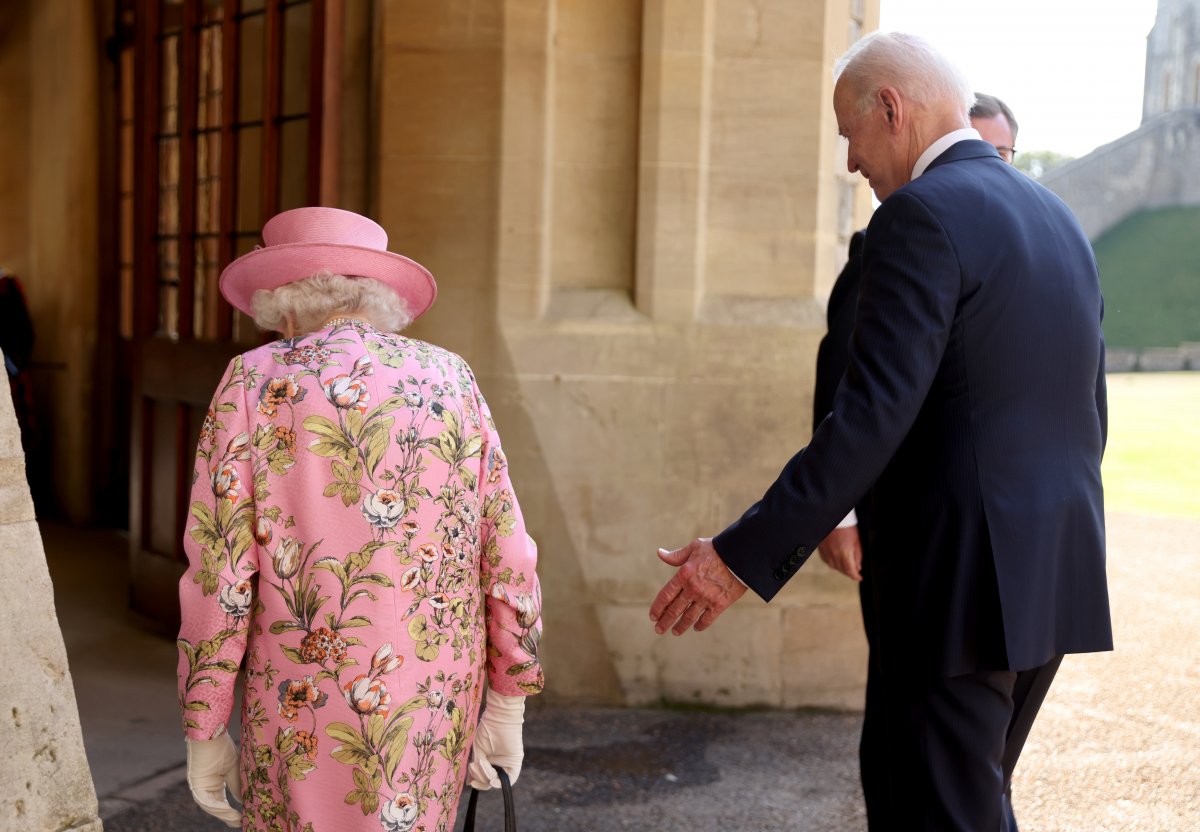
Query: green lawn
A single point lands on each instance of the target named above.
(1152, 463)
(1150, 275)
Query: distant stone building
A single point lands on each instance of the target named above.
(1173, 59)
(1157, 165)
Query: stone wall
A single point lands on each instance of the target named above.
(49, 237)
(1156, 166)
(631, 212)
(45, 783)
(1172, 59)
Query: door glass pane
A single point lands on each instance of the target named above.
(168, 186)
(126, 317)
(172, 15)
(249, 184)
(212, 10)
(251, 46)
(208, 183)
(293, 164)
(169, 81)
(208, 105)
(168, 293)
(125, 241)
(297, 32)
(204, 306)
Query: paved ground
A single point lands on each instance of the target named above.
(1117, 747)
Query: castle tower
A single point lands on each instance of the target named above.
(1173, 59)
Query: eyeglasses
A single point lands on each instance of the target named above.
(1006, 153)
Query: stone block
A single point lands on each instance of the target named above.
(1162, 360)
(770, 29)
(441, 103)
(1191, 354)
(824, 654)
(735, 663)
(1120, 360)
(675, 26)
(610, 29)
(596, 113)
(440, 211)
(45, 783)
(417, 24)
(593, 226)
(15, 503)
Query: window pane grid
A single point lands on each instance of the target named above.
(221, 161)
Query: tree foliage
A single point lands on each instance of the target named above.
(1038, 162)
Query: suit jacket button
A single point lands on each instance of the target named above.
(801, 552)
(780, 574)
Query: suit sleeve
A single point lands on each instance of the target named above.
(1102, 389)
(911, 285)
(834, 352)
(218, 591)
(508, 575)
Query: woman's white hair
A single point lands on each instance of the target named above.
(911, 64)
(307, 304)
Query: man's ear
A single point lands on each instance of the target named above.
(893, 108)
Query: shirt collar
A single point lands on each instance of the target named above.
(941, 146)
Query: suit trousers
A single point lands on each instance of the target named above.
(938, 755)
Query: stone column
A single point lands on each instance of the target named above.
(45, 783)
(629, 206)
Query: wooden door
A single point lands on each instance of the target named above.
(228, 116)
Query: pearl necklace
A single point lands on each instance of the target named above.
(343, 320)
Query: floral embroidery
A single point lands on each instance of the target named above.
(297, 694)
(346, 392)
(306, 355)
(412, 523)
(321, 645)
(280, 391)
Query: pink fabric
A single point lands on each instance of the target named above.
(354, 539)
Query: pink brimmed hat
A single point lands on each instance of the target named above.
(303, 241)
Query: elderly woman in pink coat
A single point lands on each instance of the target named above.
(356, 549)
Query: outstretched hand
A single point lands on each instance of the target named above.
(701, 590)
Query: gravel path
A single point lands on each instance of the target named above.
(1116, 748)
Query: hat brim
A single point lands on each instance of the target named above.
(273, 266)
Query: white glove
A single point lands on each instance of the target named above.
(497, 741)
(211, 766)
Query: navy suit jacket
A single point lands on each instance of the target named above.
(974, 401)
(833, 354)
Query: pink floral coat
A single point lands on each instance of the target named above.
(353, 539)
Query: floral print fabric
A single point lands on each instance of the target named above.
(354, 540)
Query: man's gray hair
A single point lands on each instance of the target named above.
(911, 64)
(310, 302)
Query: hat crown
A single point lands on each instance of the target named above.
(328, 226)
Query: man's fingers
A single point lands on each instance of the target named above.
(672, 613)
(846, 565)
(707, 618)
(665, 596)
(689, 617)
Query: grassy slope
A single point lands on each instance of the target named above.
(1152, 462)
(1150, 274)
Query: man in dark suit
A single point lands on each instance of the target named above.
(842, 549)
(847, 546)
(974, 401)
